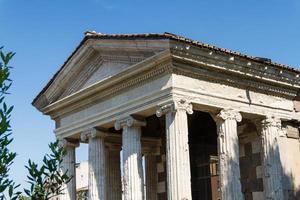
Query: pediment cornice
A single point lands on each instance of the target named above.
(136, 74)
(222, 62)
(146, 60)
(86, 61)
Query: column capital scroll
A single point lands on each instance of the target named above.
(64, 142)
(271, 121)
(129, 122)
(92, 133)
(229, 113)
(181, 104)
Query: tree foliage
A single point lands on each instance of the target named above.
(7, 185)
(45, 181)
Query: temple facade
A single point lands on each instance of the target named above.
(190, 121)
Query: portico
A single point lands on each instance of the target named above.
(207, 121)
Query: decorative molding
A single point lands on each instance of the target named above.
(129, 121)
(240, 66)
(180, 104)
(55, 89)
(107, 115)
(89, 68)
(228, 78)
(123, 59)
(136, 81)
(121, 82)
(83, 76)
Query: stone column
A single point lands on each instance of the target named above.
(68, 165)
(228, 150)
(97, 165)
(151, 176)
(132, 157)
(113, 173)
(178, 158)
(272, 172)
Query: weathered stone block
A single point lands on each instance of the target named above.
(259, 172)
(256, 146)
(258, 195)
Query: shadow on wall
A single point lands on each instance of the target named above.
(290, 192)
(252, 169)
(290, 163)
(288, 158)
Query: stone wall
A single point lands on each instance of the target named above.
(162, 172)
(289, 148)
(251, 167)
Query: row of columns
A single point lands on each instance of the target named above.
(104, 163)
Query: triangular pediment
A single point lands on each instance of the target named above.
(93, 63)
(101, 60)
(101, 66)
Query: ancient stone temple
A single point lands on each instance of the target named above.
(189, 120)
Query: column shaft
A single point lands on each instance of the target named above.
(97, 180)
(151, 177)
(68, 165)
(272, 173)
(132, 158)
(228, 149)
(177, 147)
(113, 174)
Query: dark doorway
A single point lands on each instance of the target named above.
(203, 156)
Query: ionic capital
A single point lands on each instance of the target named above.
(229, 113)
(129, 122)
(92, 133)
(66, 143)
(271, 121)
(181, 104)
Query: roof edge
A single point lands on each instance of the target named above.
(166, 35)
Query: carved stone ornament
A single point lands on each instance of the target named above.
(229, 113)
(84, 136)
(129, 122)
(181, 104)
(271, 121)
(92, 133)
(63, 142)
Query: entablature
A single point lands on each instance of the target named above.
(227, 69)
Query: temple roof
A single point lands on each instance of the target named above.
(166, 35)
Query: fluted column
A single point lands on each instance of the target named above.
(132, 157)
(113, 173)
(178, 159)
(97, 165)
(228, 150)
(68, 165)
(272, 172)
(151, 176)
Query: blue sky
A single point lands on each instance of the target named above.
(43, 33)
